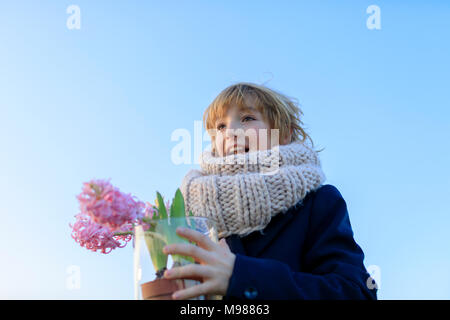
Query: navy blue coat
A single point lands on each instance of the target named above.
(307, 252)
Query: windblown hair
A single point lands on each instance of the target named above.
(278, 110)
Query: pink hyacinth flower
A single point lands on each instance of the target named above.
(108, 206)
(95, 237)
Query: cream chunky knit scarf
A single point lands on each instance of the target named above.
(242, 192)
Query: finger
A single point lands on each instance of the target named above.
(223, 243)
(201, 239)
(190, 271)
(194, 291)
(187, 249)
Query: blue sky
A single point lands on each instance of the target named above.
(103, 101)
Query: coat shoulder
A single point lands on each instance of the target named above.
(326, 196)
(323, 203)
(328, 191)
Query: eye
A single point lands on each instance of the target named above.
(220, 126)
(248, 117)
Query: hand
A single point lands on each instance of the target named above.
(215, 268)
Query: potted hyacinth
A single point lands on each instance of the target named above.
(109, 219)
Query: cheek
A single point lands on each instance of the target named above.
(256, 125)
(261, 130)
(262, 136)
(219, 144)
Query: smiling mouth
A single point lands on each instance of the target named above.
(236, 150)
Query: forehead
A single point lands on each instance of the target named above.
(238, 107)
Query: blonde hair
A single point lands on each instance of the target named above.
(278, 110)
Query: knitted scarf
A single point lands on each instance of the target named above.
(242, 192)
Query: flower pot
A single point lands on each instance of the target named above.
(162, 289)
(150, 263)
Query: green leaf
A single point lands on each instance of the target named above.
(177, 219)
(167, 228)
(177, 209)
(161, 206)
(155, 246)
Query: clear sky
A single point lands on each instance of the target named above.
(102, 102)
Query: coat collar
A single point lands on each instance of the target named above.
(255, 243)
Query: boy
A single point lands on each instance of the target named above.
(284, 235)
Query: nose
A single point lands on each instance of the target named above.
(235, 131)
(235, 124)
(236, 137)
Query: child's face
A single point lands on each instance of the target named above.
(230, 140)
